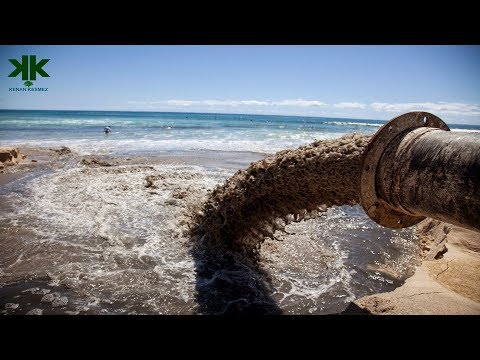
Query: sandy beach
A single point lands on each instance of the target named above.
(446, 282)
(36, 286)
(245, 180)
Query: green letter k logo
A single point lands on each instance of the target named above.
(34, 67)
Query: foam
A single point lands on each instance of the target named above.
(465, 130)
(118, 237)
(105, 232)
(151, 145)
(291, 185)
(349, 123)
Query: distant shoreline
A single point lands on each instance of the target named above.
(192, 112)
(463, 126)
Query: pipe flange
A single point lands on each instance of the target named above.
(377, 209)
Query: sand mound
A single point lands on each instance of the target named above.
(10, 156)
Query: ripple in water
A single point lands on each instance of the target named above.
(304, 274)
(122, 239)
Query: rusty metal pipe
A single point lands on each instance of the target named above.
(414, 167)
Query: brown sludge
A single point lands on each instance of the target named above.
(289, 186)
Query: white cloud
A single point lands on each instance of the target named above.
(298, 102)
(233, 103)
(174, 102)
(452, 108)
(350, 105)
(448, 111)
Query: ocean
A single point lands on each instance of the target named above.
(81, 238)
(149, 132)
(152, 132)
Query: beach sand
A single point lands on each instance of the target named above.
(37, 274)
(447, 281)
(9, 156)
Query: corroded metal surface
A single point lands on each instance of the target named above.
(435, 174)
(415, 168)
(378, 209)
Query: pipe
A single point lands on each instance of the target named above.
(414, 167)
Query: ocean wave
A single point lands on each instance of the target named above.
(465, 130)
(111, 146)
(351, 123)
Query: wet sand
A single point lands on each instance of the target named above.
(446, 283)
(37, 291)
(19, 296)
(6, 178)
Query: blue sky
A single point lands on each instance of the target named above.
(366, 82)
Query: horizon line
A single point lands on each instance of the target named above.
(194, 112)
(220, 113)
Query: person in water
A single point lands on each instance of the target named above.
(107, 130)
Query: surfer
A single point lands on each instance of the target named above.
(107, 130)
